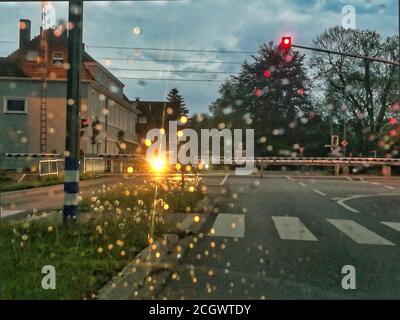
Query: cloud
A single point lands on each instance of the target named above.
(207, 24)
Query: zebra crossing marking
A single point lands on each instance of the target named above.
(291, 228)
(228, 225)
(358, 233)
(393, 225)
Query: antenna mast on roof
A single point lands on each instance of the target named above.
(43, 93)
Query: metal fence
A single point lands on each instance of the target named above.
(50, 167)
(53, 164)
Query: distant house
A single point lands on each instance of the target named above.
(21, 97)
(152, 115)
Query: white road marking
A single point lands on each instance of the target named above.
(320, 192)
(390, 187)
(393, 225)
(376, 183)
(341, 202)
(291, 228)
(302, 184)
(228, 225)
(224, 179)
(289, 178)
(358, 233)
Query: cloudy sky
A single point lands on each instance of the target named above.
(201, 25)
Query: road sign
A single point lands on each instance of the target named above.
(344, 143)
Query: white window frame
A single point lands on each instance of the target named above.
(60, 60)
(5, 108)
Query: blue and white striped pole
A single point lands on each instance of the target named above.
(73, 125)
(71, 188)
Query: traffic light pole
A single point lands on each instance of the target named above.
(72, 145)
(348, 55)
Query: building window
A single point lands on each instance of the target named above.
(58, 57)
(143, 120)
(15, 105)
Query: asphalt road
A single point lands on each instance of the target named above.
(289, 238)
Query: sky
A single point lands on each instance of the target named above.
(211, 25)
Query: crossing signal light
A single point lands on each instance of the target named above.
(335, 141)
(286, 43)
(84, 123)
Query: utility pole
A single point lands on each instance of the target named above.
(72, 144)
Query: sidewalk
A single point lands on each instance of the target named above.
(43, 198)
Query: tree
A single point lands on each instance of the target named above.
(358, 91)
(271, 96)
(389, 138)
(176, 105)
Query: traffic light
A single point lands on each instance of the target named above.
(84, 123)
(286, 43)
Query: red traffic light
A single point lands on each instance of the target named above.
(286, 43)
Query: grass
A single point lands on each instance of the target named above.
(118, 224)
(41, 182)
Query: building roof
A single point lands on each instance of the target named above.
(22, 63)
(9, 68)
(25, 63)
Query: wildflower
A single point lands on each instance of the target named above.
(119, 243)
